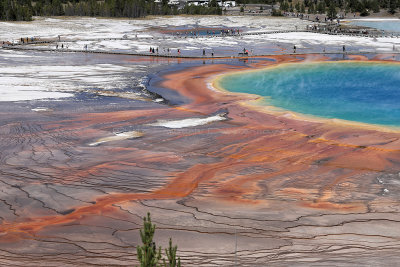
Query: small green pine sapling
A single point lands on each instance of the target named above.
(147, 254)
(171, 255)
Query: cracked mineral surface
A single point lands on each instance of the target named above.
(90, 143)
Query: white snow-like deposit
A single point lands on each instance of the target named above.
(11, 92)
(22, 80)
(148, 32)
(316, 39)
(14, 88)
(117, 137)
(191, 122)
(81, 28)
(41, 109)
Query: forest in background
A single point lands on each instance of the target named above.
(17, 10)
(23, 10)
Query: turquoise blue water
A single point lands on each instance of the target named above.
(362, 92)
(386, 25)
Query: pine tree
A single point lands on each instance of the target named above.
(147, 254)
(297, 7)
(171, 255)
(302, 8)
(392, 6)
(375, 6)
(321, 7)
(332, 10)
(285, 6)
(311, 9)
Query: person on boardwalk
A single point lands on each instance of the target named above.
(179, 52)
(294, 49)
(344, 49)
(204, 52)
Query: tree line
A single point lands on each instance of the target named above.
(23, 10)
(364, 7)
(17, 10)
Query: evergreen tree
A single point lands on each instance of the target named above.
(171, 255)
(311, 9)
(332, 10)
(147, 254)
(21, 10)
(285, 6)
(297, 6)
(302, 8)
(392, 6)
(374, 5)
(321, 8)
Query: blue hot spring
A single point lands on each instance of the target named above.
(386, 25)
(366, 92)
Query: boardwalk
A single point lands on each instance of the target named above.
(44, 49)
(30, 46)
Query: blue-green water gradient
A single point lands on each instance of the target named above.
(386, 25)
(361, 92)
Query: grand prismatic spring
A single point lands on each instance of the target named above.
(272, 159)
(364, 92)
